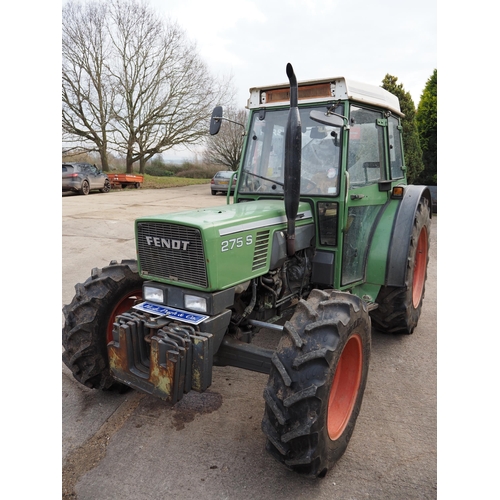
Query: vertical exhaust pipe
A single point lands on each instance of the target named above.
(293, 152)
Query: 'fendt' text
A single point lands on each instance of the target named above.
(167, 243)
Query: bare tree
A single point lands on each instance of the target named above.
(166, 91)
(225, 147)
(153, 92)
(87, 92)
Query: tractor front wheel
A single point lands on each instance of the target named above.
(89, 318)
(399, 308)
(316, 383)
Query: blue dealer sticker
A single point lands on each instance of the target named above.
(178, 314)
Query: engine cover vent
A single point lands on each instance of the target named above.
(261, 249)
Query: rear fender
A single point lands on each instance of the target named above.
(401, 233)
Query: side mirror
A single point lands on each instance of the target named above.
(333, 120)
(216, 120)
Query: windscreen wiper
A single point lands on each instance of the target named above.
(265, 178)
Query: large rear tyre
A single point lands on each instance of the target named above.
(316, 383)
(399, 308)
(88, 325)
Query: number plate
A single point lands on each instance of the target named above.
(178, 314)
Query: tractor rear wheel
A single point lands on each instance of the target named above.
(88, 326)
(399, 308)
(316, 383)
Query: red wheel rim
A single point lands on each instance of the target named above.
(122, 306)
(420, 267)
(345, 387)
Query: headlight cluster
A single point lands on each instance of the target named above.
(191, 302)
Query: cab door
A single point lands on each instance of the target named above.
(366, 188)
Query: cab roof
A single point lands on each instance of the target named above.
(329, 89)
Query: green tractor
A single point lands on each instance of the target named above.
(324, 237)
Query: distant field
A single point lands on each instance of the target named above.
(151, 182)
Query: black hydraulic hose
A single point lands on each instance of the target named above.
(253, 301)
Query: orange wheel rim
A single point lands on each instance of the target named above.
(420, 267)
(345, 387)
(123, 305)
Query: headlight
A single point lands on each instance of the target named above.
(153, 294)
(194, 303)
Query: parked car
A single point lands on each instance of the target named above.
(434, 199)
(83, 177)
(220, 182)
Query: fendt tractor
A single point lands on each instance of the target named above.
(322, 237)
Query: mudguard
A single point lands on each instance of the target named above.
(401, 232)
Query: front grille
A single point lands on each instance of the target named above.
(171, 252)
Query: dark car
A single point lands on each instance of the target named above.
(220, 182)
(83, 177)
(434, 199)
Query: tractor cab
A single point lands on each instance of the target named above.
(351, 168)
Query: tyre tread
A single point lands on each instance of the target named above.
(298, 386)
(85, 351)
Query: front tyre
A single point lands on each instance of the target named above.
(316, 383)
(399, 308)
(88, 326)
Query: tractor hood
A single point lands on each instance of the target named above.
(212, 248)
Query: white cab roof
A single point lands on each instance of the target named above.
(329, 89)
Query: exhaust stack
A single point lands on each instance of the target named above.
(293, 152)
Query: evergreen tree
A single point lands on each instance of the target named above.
(411, 141)
(427, 130)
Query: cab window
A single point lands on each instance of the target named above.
(395, 150)
(365, 162)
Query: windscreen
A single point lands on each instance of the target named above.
(263, 165)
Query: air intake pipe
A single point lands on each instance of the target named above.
(293, 152)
